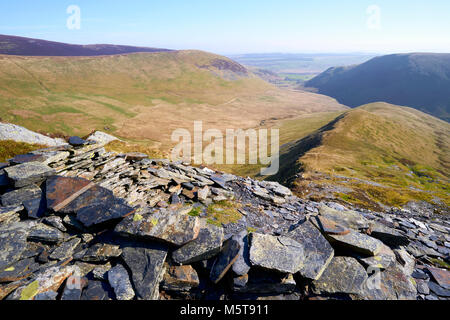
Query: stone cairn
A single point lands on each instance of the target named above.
(80, 223)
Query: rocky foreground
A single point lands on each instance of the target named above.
(77, 222)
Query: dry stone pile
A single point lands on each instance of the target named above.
(80, 223)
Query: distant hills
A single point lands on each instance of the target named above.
(374, 155)
(143, 97)
(418, 80)
(12, 45)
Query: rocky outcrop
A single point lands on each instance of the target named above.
(14, 132)
(79, 223)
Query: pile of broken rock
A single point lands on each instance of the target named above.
(77, 222)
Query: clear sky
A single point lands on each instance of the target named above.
(244, 26)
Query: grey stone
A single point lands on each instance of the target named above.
(388, 235)
(120, 281)
(242, 265)
(204, 247)
(29, 173)
(343, 275)
(276, 253)
(65, 250)
(357, 242)
(224, 260)
(169, 225)
(42, 232)
(180, 278)
(348, 219)
(101, 252)
(19, 196)
(146, 262)
(317, 250)
(12, 245)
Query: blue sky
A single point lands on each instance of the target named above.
(245, 26)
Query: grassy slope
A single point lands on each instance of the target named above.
(142, 97)
(396, 147)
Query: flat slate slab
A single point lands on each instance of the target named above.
(224, 260)
(12, 245)
(441, 276)
(146, 262)
(92, 204)
(388, 235)
(204, 247)
(19, 196)
(242, 265)
(120, 281)
(170, 225)
(329, 226)
(28, 173)
(180, 278)
(44, 233)
(357, 242)
(276, 253)
(347, 218)
(317, 250)
(60, 191)
(343, 275)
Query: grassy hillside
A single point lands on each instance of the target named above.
(143, 97)
(377, 154)
(418, 80)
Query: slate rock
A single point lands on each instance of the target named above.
(44, 233)
(10, 214)
(348, 219)
(276, 253)
(224, 260)
(56, 222)
(97, 290)
(242, 265)
(383, 260)
(389, 236)
(180, 278)
(219, 180)
(318, 252)
(17, 271)
(264, 282)
(357, 242)
(46, 296)
(422, 287)
(36, 208)
(343, 275)
(101, 272)
(92, 207)
(391, 284)
(328, 226)
(19, 196)
(65, 250)
(146, 262)
(170, 225)
(28, 173)
(76, 141)
(49, 279)
(101, 252)
(442, 276)
(204, 247)
(12, 245)
(60, 191)
(120, 281)
(438, 290)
